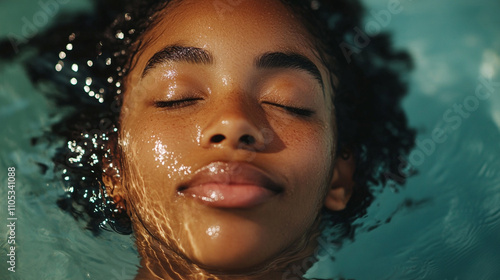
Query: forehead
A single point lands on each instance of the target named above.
(254, 26)
(248, 17)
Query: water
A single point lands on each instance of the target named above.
(444, 224)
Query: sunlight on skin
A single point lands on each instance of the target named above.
(164, 148)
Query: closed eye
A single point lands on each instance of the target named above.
(175, 104)
(294, 110)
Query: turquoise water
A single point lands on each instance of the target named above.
(444, 224)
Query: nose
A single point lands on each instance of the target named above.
(233, 128)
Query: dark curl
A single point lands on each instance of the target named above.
(84, 59)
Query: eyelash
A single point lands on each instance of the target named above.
(294, 110)
(174, 104)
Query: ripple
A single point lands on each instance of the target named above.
(461, 231)
(491, 207)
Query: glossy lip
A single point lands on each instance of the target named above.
(230, 185)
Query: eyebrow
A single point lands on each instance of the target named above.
(178, 54)
(291, 61)
(270, 60)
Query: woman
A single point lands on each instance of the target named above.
(224, 135)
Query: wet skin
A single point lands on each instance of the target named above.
(227, 137)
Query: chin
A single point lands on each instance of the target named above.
(235, 247)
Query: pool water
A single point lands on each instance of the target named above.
(444, 224)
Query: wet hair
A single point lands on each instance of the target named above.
(82, 60)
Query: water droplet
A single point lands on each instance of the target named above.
(213, 231)
(119, 35)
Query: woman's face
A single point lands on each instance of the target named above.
(227, 133)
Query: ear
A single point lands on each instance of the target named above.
(112, 183)
(111, 177)
(342, 184)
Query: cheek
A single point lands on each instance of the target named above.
(151, 170)
(309, 169)
(313, 175)
(154, 163)
(308, 148)
(158, 150)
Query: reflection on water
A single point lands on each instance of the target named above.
(445, 224)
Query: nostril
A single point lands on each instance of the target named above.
(217, 138)
(247, 139)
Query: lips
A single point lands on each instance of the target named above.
(230, 185)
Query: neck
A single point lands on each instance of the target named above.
(160, 262)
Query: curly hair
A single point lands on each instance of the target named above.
(85, 58)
